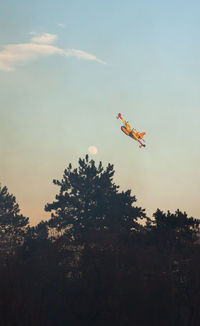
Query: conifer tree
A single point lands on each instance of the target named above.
(12, 224)
(89, 200)
(174, 230)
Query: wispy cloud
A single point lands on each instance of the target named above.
(45, 38)
(83, 55)
(13, 55)
(62, 25)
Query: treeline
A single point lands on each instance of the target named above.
(99, 260)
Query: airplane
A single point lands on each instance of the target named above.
(133, 133)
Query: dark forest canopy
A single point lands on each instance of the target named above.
(93, 262)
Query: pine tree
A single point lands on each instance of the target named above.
(12, 224)
(89, 200)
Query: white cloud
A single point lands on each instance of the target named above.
(83, 55)
(45, 38)
(16, 54)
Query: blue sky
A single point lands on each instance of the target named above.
(67, 68)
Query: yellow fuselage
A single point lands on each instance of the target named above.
(130, 133)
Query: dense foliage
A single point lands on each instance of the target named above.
(12, 224)
(94, 263)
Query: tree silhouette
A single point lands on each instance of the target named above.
(174, 230)
(114, 272)
(12, 223)
(89, 200)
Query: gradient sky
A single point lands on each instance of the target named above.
(67, 68)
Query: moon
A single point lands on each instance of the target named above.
(93, 150)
